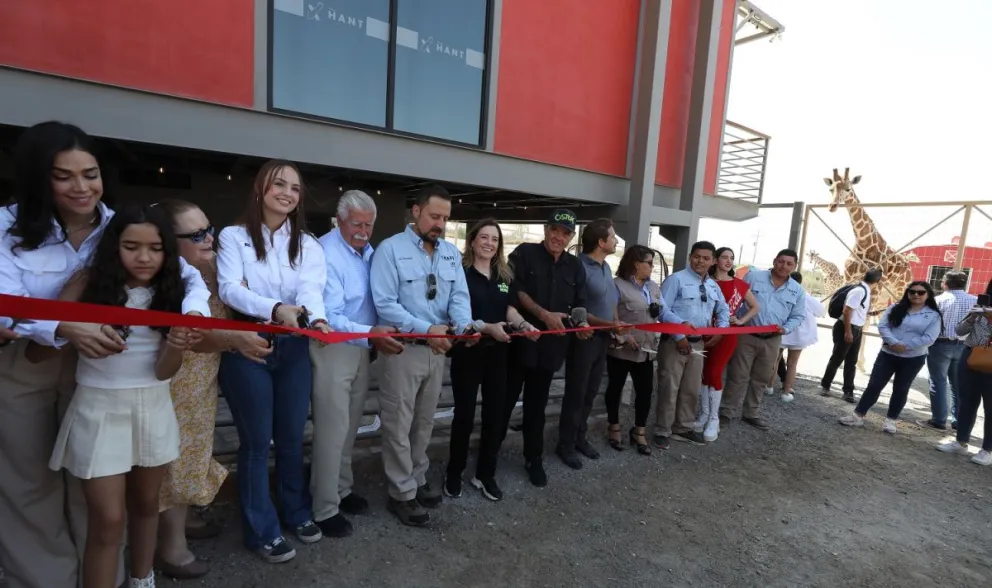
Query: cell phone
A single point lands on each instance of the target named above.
(984, 300)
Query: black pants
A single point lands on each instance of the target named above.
(846, 353)
(584, 369)
(976, 389)
(535, 384)
(470, 368)
(641, 375)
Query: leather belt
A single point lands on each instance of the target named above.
(766, 335)
(948, 340)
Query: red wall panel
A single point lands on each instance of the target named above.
(720, 89)
(566, 78)
(979, 259)
(678, 87)
(194, 48)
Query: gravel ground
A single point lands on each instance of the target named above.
(806, 504)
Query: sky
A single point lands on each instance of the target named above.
(897, 90)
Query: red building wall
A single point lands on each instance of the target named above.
(192, 48)
(979, 259)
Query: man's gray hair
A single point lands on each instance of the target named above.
(355, 200)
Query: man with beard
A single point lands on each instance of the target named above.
(341, 372)
(418, 286)
(550, 283)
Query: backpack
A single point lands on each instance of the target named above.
(837, 299)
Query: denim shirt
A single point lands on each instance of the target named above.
(347, 293)
(682, 292)
(917, 332)
(784, 306)
(401, 270)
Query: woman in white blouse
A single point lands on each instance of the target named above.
(49, 234)
(269, 268)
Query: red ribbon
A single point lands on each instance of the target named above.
(80, 312)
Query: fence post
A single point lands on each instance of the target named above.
(963, 239)
(798, 209)
(802, 240)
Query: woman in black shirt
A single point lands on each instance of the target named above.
(483, 363)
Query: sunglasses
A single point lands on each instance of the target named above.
(650, 262)
(702, 294)
(917, 292)
(198, 236)
(431, 286)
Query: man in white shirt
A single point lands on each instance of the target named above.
(847, 334)
(943, 356)
(341, 372)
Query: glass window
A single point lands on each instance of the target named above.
(440, 64)
(331, 60)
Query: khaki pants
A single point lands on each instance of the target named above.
(748, 374)
(42, 513)
(679, 379)
(340, 385)
(408, 397)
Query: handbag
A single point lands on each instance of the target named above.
(980, 359)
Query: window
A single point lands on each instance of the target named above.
(936, 275)
(411, 66)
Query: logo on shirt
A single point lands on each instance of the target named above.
(450, 258)
(503, 287)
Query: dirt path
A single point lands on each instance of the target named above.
(807, 504)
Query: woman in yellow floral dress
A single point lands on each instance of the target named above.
(195, 478)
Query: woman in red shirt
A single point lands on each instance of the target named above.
(736, 291)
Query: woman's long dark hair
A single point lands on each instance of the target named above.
(34, 156)
(107, 276)
(628, 263)
(253, 216)
(898, 312)
(716, 257)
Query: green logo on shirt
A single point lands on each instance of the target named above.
(503, 287)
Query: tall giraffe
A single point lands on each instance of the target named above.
(832, 278)
(870, 249)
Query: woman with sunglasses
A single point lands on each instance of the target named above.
(640, 303)
(47, 236)
(195, 478)
(269, 268)
(907, 329)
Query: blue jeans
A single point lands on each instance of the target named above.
(902, 370)
(942, 363)
(269, 403)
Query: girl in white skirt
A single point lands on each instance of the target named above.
(120, 430)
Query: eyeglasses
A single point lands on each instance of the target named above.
(702, 294)
(431, 286)
(916, 292)
(198, 236)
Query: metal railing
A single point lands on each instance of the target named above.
(742, 163)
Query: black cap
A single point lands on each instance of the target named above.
(563, 217)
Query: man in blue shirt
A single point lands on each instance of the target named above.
(418, 286)
(693, 299)
(783, 305)
(341, 372)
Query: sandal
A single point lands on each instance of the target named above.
(637, 439)
(616, 442)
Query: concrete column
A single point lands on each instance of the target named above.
(645, 126)
(796, 228)
(700, 114)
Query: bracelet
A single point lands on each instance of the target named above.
(274, 309)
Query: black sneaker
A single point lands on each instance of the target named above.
(452, 486)
(354, 504)
(489, 488)
(824, 390)
(849, 398)
(278, 551)
(690, 437)
(585, 448)
(569, 457)
(429, 497)
(336, 526)
(409, 512)
(661, 441)
(309, 532)
(536, 473)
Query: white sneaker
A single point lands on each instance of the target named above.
(769, 391)
(852, 420)
(952, 446)
(983, 457)
(788, 396)
(148, 582)
(889, 426)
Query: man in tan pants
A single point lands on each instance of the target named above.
(692, 298)
(341, 372)
(419, 286)
(782, 304)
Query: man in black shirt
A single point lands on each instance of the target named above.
(550, 282)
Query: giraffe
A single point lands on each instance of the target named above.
(870, 249)
(832, 278)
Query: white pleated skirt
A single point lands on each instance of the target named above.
(108, 432)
